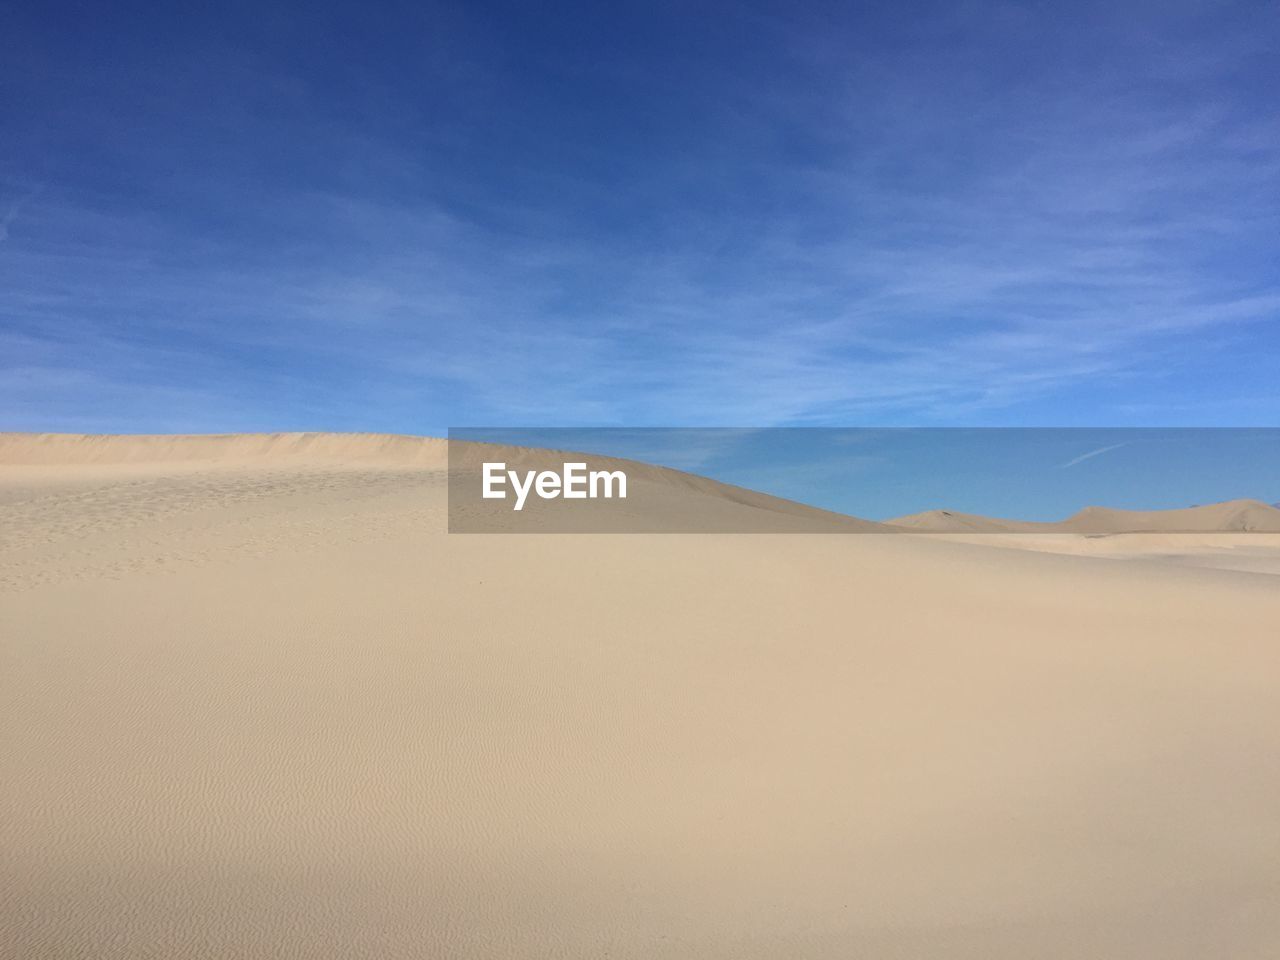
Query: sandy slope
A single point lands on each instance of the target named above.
(255, 703)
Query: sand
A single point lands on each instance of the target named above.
(255, 703)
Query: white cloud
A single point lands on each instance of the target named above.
(1090, 455)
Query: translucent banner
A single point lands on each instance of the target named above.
(1083, 481)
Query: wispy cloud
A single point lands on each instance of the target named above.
(820, 244)
(1090, 455)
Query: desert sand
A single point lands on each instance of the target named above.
(256, 703)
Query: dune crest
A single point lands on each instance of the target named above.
(50, 449)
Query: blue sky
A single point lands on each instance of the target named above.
(404, 217)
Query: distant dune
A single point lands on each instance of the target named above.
(952, 521)
(256, 703)
(1233, 516)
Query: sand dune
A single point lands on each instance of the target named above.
(953, 521)
(255, 702)
(1233, 516)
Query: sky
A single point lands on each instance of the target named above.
(407, 217)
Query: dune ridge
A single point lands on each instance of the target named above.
(1231, 516)
(50, 449)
